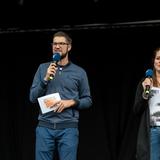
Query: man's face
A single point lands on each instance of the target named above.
(61, 46)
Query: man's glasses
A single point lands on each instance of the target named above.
(59, 43)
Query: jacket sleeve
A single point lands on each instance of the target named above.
(38, 87)
(85, 100)
(140, 104)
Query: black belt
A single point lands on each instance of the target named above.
(58, 125)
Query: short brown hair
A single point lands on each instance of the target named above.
(63, 34)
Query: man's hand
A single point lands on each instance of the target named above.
(63, 104)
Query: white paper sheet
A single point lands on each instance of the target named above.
(47, 103)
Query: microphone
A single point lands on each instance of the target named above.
(55, 59)
(148, 74)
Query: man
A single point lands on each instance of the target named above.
(57, 129)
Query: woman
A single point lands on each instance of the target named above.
(147, 107)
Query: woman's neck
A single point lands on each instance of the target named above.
(158, 78)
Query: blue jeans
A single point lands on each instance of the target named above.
(65, 141)
(155, 143)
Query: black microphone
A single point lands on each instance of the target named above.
(55, 59)
(149, 74)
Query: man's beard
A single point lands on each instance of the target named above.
(64, 55)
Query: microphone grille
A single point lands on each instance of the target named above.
(149, 73)
(56, 57)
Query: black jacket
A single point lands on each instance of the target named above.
(141, 109)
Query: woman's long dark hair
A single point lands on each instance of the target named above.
(155, 82)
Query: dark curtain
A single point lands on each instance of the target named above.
(115, 59)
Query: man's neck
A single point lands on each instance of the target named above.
(63, 62)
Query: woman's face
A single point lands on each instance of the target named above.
(157, 61)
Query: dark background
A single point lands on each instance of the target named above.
(113, 41)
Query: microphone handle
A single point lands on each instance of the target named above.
(147, 90)
(51, 76)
